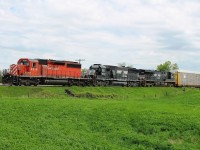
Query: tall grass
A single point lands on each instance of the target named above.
(137, 118)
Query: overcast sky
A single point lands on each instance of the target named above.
(143, 33)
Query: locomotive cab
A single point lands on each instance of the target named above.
(170, 75)
(118, 73)
(28, 67)
(98, 71)
(23, 66)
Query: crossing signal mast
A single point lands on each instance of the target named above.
(80, 60)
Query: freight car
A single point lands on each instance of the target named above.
(188, 79)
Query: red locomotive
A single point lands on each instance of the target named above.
(42, 71)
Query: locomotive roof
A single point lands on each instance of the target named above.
(45, 61)
(97, 66)
(58, 61)
(33, 60)
(147, 71)
(63, 61)
(116, 67)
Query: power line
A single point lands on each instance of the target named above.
(80, 60)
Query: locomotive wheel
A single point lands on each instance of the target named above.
(70, 83)
(83, 84)
(19, 83)
(79, 83)
(88, 83)
(27, 83)
(129, 84)
(107, 83)
(99, 83)
(94, 83)
(35, 84)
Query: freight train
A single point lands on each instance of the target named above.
(67, 73)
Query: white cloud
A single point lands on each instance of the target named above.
(140, 32)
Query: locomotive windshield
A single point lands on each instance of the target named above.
(24, 62)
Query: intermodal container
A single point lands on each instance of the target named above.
(188, 79)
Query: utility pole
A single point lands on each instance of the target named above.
(80, 60)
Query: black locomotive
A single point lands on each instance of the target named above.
(126, 76)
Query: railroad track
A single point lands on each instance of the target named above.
(34, 86)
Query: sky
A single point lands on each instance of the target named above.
(141, 33)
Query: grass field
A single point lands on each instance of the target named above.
(42, 118)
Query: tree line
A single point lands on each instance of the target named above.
(167, 66)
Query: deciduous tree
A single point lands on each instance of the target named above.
(167, 66)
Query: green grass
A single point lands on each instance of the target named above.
(136, 118)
